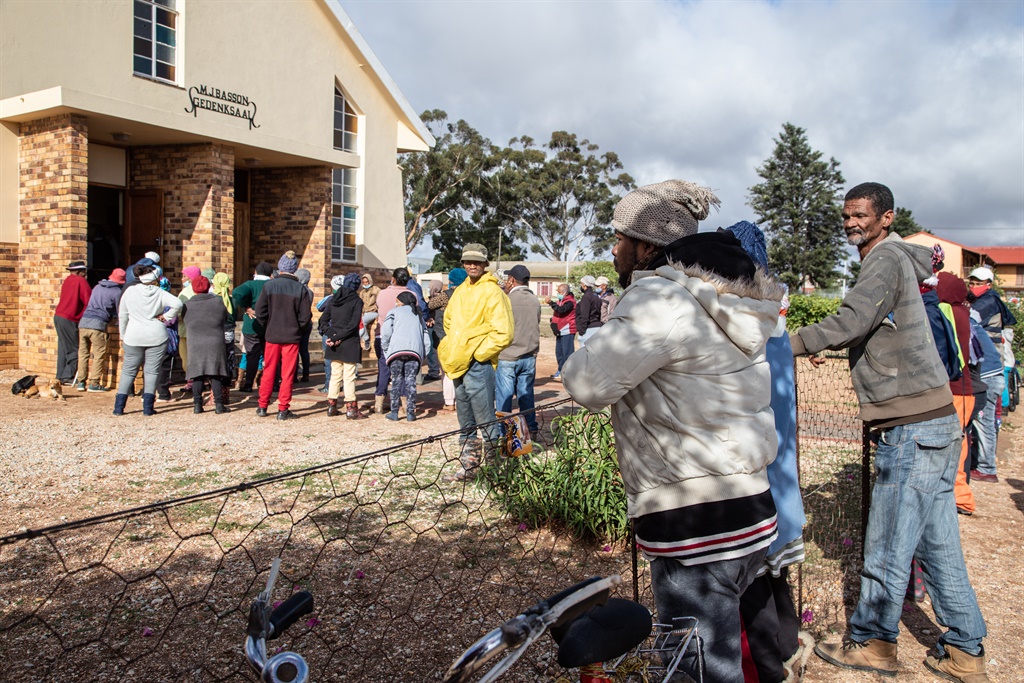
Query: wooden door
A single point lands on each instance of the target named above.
(243, 269)
(145, 227)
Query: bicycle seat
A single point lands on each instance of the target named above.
(603, 633)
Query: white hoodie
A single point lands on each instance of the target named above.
(138, 311)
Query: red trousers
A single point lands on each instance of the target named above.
(287, 357)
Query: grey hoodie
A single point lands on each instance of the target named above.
(895, 367)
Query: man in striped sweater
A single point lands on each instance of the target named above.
(681, 361)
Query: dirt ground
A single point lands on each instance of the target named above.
(71, 459)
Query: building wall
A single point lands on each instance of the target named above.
(9, 327)
(198, 184)
(288, 210)
(53, 192)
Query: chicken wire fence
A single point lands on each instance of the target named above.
(407, 568)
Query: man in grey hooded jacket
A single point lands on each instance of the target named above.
(904, 397)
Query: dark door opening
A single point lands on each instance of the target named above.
(145, 227)
(105, 231)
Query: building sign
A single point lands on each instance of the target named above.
(222, 102)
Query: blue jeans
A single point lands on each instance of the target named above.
(564, 347)
(913, 514)
(985, 425)
(517, 377)
(474, 403)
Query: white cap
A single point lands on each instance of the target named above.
(603, 281)
(153, 256)
(982, 273)
(588, 281)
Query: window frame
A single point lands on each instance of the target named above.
(350, 124)
(340, 206)
(156, 7)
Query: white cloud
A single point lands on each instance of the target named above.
(926, 97)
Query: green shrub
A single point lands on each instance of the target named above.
(576, 484)
(595, 268)
(809, 309)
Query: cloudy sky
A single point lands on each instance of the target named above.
(926, 97)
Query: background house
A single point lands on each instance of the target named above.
(1006, 262)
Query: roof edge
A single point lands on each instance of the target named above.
(346, 24)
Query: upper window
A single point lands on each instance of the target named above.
(346, 124)
(156, 23)
(343, 215)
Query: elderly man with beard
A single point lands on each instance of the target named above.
(681, 361)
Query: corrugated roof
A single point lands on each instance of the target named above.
(1002, 256)
(539, 268)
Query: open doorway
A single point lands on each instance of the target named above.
(105, 231)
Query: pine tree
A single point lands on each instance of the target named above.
(799, 207)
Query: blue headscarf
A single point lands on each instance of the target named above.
(456, 277)
(752, 239)
(351, 281)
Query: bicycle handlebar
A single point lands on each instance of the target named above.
(518, 633)
(267, 624)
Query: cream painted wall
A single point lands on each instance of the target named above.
(10, 218)
(284, 56)
(954, 261)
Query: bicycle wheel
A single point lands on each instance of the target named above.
(1014, 386)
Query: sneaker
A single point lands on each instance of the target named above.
(957, 665)
(164, 399)
(411, 417)
(981, 476)
(286, 415)
(873, 655)
(393, 416)
(97, 389)
(557, 375)
(80, 386)
(963, 511)
(261, 412)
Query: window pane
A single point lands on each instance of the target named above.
(339, 102)
(169, 4)
(143, 47)
(350, 240)
(351, 123)
(143, 10)
(350, 142)
(350, 195)
(143, 28)
(339, 120)
(165, 35)
(336, 224)
(339, 140)
(336, 175)
(143, 66)
(348, 255)
(350, 213)
(165, 18)
(164, 53)
(164, 71)
(336, 210)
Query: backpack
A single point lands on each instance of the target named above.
(945, 341)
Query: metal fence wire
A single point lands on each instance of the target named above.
(407, 568)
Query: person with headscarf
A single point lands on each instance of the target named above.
(142, 315)
(188, 273)
(284, 308)
(404, 341)
(207, 317)
(163, 383)
(303, 276)
(339, 325)
(368, 293)
(221, 286)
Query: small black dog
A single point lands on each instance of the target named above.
(23, 384)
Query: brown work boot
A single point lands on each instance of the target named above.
(957, 665)
(871, 655)
(378, 404)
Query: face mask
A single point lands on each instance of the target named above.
(367, 286)
(559, 296)
(978, 290)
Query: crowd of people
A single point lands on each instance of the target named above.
(696, 365)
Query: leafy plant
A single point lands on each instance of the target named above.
(595, 268)
(809, 309)
(1017, 308)
(576, 484)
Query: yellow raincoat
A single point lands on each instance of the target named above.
(477, 325)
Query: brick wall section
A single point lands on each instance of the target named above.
(9, 306)
(289, 208)
(53, 191)
(198, 184)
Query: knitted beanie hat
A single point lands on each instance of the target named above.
(201, 285)
(351, 281)
(752, 239)
(660, 214)
(191, 272)
(337, 281)
(288, 263)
